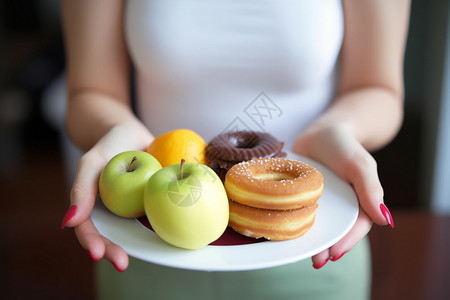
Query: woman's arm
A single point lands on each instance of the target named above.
(370, 91)
(99, 116)
(367, 112)
(98, 72)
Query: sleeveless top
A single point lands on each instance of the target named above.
(218, 65)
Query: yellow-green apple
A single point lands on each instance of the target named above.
(122, 182)
(187, 205)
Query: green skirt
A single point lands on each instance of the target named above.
(347, 278)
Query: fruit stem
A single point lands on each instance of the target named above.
(131, 163)
(181, 168)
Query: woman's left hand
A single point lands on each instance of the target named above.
(336, 148)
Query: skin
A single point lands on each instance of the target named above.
(366, 114)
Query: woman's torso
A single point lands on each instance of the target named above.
(220, 65)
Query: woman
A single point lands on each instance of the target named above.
(330, 72)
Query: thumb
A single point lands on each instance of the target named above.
(363, 175)
(84, 189)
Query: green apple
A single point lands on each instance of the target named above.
(122, 182)
(187, 205)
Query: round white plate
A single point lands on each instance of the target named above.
(336, 214)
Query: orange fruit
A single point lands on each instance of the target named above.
(170, 147)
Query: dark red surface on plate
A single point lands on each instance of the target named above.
(228, 238)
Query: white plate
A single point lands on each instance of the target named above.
(336, 214)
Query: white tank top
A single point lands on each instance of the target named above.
(219, 65)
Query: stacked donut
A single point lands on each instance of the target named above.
(227, 149)
(273, 198)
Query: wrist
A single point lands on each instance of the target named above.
(319, 135)
(123, 137)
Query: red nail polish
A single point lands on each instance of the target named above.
(321, 265)
(69, 215)
(93, 257)
(387, 214)
(337, 257)
(117, 268)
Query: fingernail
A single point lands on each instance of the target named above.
(69, 215)
(93, 257)
(321, 265)
(117, 268)
(337, 257)
(387, 214)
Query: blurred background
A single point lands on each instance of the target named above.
(40, 261)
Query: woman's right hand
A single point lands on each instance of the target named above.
(84, 192)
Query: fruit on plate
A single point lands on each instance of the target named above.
(170, 147)
(122, 182)
(187, 205)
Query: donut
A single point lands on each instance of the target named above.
(273, 198)
(229, 148)
(274, 183)
(276, 225)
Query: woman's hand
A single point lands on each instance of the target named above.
(368, 90)
(84, 192)
(336, 148)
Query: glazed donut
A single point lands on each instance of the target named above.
(276, 225)
(274, 183)
(227, 149)
(274, 198)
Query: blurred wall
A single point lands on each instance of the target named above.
(31, 56)
(434, 106)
